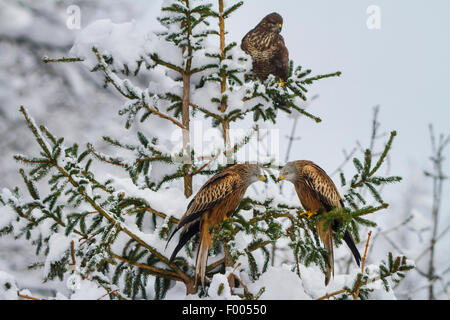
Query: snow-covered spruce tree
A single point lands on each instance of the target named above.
(106, 235)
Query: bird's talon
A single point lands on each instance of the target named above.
(309, 214)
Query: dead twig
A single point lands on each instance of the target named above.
(27, 297)
(365, 251)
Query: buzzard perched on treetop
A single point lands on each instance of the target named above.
(214, 202)
(317, 192)
(266, 47)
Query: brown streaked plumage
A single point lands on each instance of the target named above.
(266, 47)
(216, 200)
(317, 193)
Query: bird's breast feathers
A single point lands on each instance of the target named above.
(261, 41)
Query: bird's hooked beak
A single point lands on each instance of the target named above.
(281, 178)
(277, 27)
(263, 178)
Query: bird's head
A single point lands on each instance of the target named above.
(288, 172)
(253, 172)
(272, 22)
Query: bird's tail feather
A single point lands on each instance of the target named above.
(326, 236)
(171, 236)
(351, 244)
(187, 234)
(202, 254)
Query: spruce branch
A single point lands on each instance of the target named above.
(157, 272)
(155, 57)
(114, 223)
(367, 172)
(63, 60)
(206, 112)
(393, 268)
(113, 79)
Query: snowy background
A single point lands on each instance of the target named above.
(400, 67)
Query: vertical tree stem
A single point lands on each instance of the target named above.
(186, 135)
(438, 180)
(185, 112)
(223, 103)
(225, 123)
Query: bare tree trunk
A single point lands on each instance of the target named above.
(185, 113)
(437, 192)
(186, 135)
(223, 103)
(438, 179)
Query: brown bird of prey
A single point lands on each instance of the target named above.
(266, 47)
(216, 201)
(317, 193)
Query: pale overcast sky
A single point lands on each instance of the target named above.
(403, 67)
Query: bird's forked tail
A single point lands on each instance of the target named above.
(326, 236)
(205, 244)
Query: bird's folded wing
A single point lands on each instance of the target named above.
(213, 191)
(282, 59)
(322, 186)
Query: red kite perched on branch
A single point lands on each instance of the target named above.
(317, 193)
(266, 46)
(216, 201)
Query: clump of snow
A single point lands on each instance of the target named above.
(219, 288)
(123, 41)
(381, 294)
(242, 240)
(177, 292)
(8, 287)
(58, 244)
(202, 96)
(373, 272)
(280, 283)
(170, 201)
(60, 296)
(7, 196)
(7, 215)
(88, 290)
